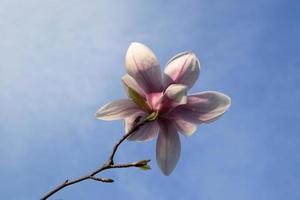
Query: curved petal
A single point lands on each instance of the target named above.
(177, 94)
(185, 127)
(184, 68)
(208, 105)
(167, 148)
(130, 82)
(173, 96)
(118, 109)
(135, 92)
(135, 118)
(146, 132)
(203, 107)
(143, 66)
(154, 100)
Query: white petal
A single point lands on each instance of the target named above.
(185, 127)
(202, 107)
(184, 68)
(146, 132)
(208, 105)
(134, 92)
(118, 109)
(143, 66)
(177, 93)
(128, 81)
(167, 148)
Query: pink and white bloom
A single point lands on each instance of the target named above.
(166, 96)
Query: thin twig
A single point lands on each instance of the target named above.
(108, 165)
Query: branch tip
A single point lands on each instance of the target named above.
(141, 163)
(105, 180)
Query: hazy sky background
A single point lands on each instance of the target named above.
(61, 60)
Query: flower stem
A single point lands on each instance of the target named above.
(108, 165)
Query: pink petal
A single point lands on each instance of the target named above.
(128, 81)
(185, 127)
(209, 105)
(184, 68)
(118, 109)
(167, 148)
(203, 107)
(154, 100)
(173, 96)
(144, 133)
(143, 66)
(177, 94)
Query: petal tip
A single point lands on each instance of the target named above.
(182, 68)
(136, 44)
(98, 115)
(227, 100)
(166, 172)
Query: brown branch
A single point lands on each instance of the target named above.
(108, 165)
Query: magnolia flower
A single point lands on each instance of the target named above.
(164, 100)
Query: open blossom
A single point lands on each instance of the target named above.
(165, 99)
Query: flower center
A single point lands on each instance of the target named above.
(155, 101)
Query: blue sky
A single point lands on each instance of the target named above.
(61, 60)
